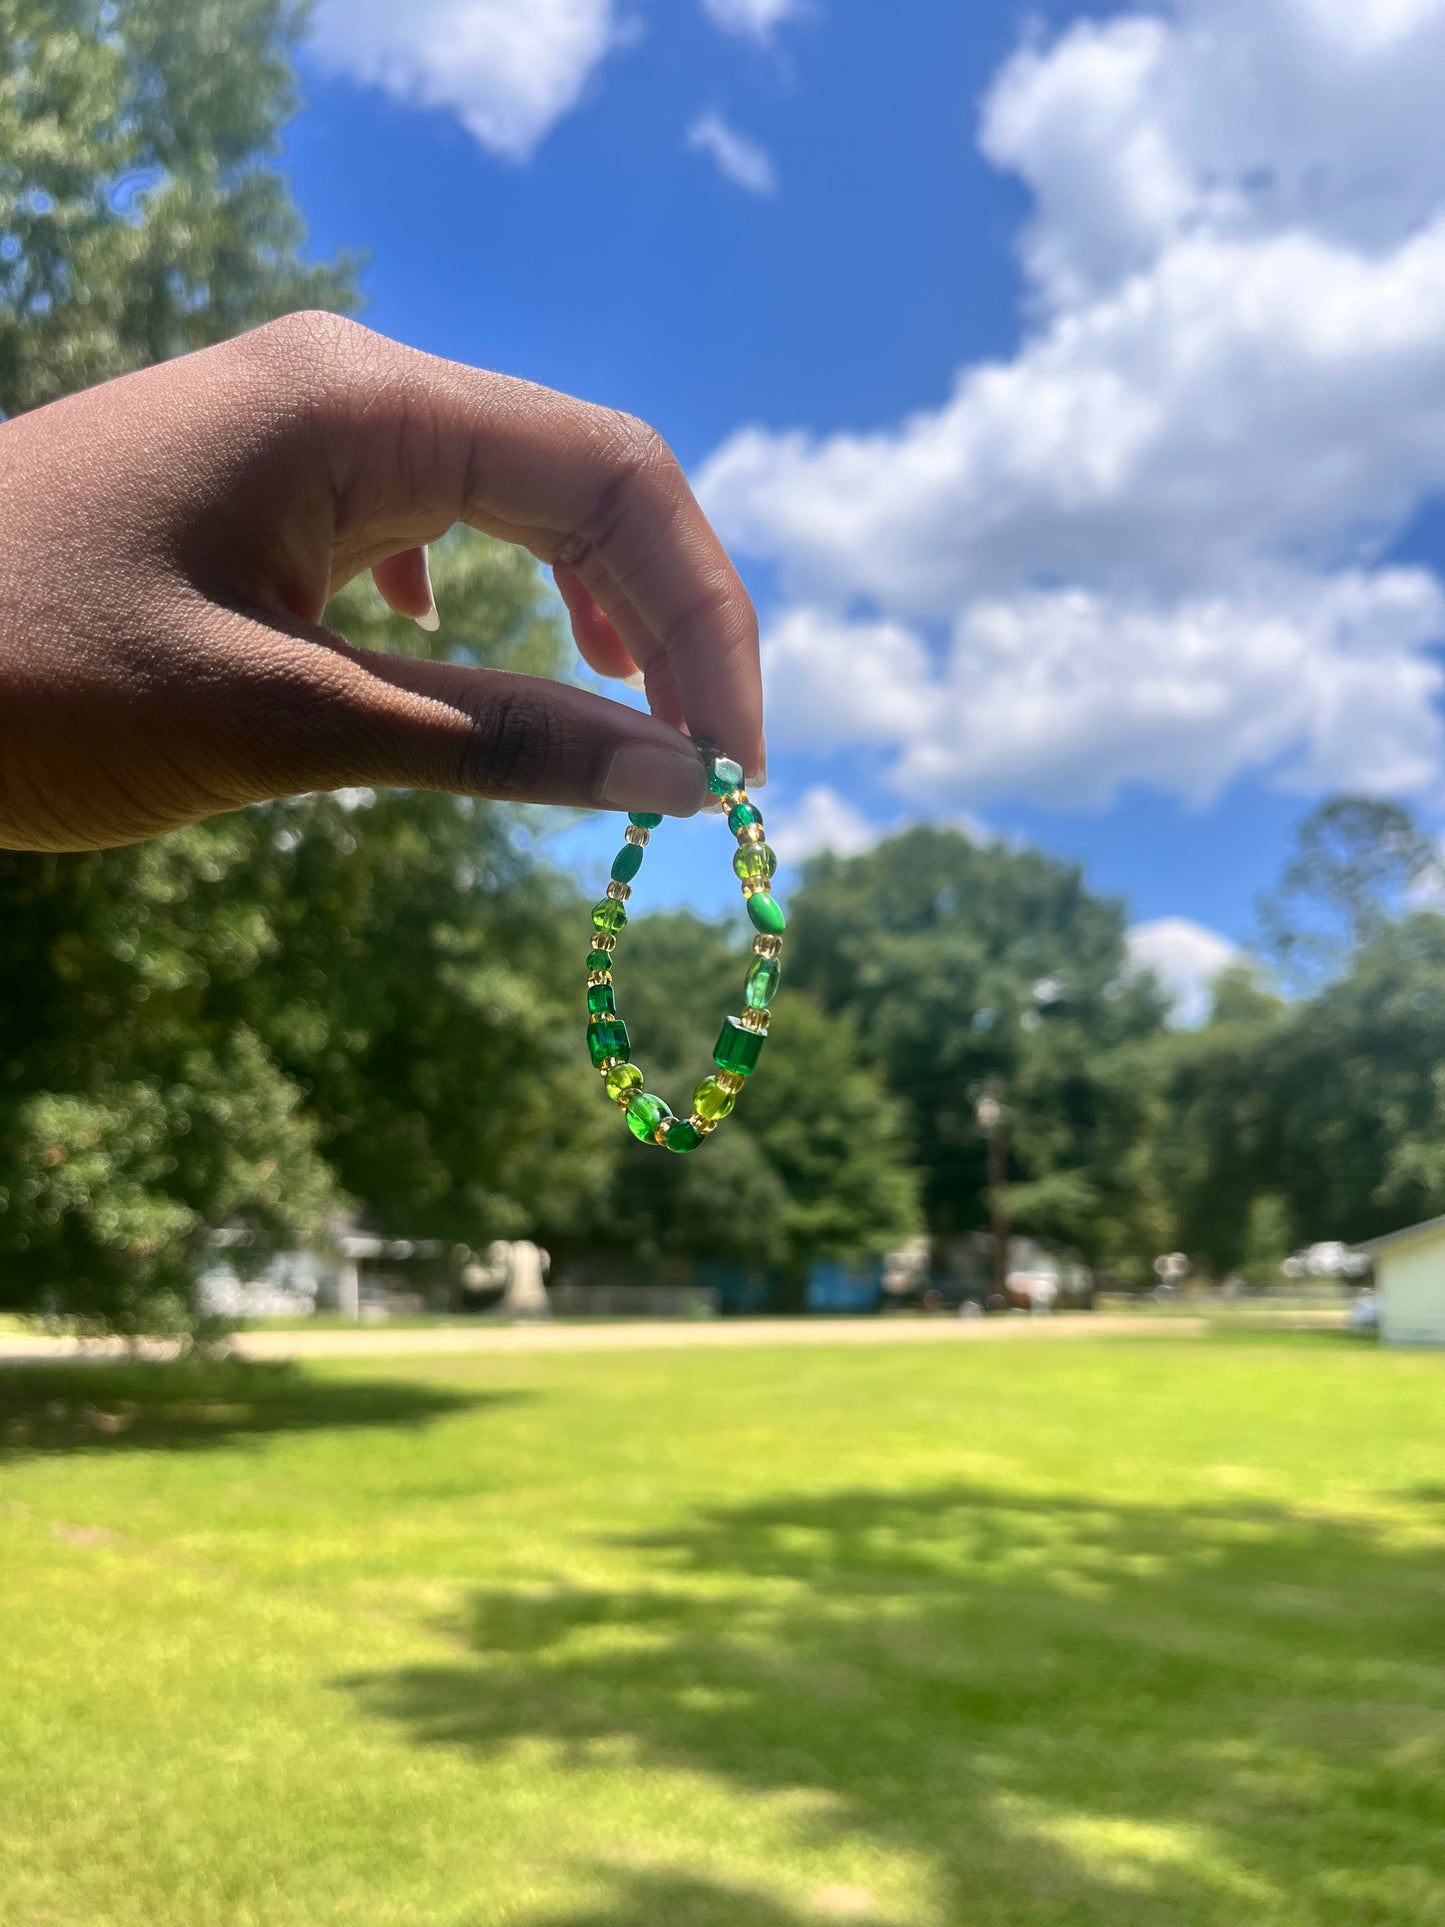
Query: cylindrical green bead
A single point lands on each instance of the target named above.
(607, 1037)
(621, 1080)
(682, 1136)
(755, 860)
(644, 819)
(644, 1114)
(745, 813)
(766, 914)
(608, 915)
(723, 775)
(760, 986)
(738, 1048)
(601, 999)
(711, 1101)
(627, 862)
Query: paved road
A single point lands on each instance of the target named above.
(643, 1335)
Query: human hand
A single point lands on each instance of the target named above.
(169, 541)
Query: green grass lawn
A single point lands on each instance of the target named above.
(1150, 1631)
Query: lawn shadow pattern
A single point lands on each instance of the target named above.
(190, 1404)
(1070, 1712)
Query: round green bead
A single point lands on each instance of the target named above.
(766, 914)
(599, 959)
(711, 1101)
(682, 1136)
(644, 819)
(608, 915)
(755, 860)
(644, 1114)
(724, 775)
(626, 863)
(621, 1079)
(761, 983)
(601, 999)
(745, 813)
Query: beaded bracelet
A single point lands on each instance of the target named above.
(740, 1043)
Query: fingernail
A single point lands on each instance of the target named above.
(429, 619)
(757, 777)
(643, 776)
(635, 681)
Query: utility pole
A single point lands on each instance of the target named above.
(993, 1122)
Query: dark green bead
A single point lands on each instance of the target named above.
(626, 863)
(644, 819)
(755, 860)
(682, 1136)
(744, 814)
(766, 914)
(599, 959)
(601, 999)
(738, 1048)
(644, 1114)
(608, 915)
(761, 984)
(724, 775)
(607, 1037)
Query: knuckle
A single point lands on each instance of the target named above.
(511, 740)
(318, 350)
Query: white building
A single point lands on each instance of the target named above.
(1410, 1283)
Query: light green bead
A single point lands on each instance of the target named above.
(621, 1079)
(711, 1101)
(644, 1114)
(761, 983)
(755, 860)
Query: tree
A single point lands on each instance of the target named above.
(138, 215)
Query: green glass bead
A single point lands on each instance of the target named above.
(599, 959)
(601, 999)
(711, 1101)
(682, 1136)
(644, 1114)
(766, 914)
(607, 1037)
(644, 819)
(723, 775)
(620, 1080)
(755, 860)
(738, 1048)
(608, 915)
(760, 986)
(744, 814)
(626, 863)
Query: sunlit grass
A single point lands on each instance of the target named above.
(995, 1636)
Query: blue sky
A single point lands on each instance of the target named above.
(1066, 381)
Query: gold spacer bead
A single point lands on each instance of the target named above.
(735, 799)
(703, 1124)
(757, 886)
(619, 892)
(659, 1136)
(598, 977)
(756, 1019)
(608, 1064)
(636, 834)
(605, 940)
(767, 946)
(752, 833)
(728, 1081)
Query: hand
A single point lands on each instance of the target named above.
(168, 543)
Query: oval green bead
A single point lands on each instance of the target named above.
(644, 1114)
(738, 1048)
(621, 1079)
(607, 1037)
(608, 915)
(644, 819)
(760, 986)
(724, 775)
(711, 1101)
(755, 860)
(766, 914)
(601, 999)
(626, 863)
(745, 813)
(682, 1136)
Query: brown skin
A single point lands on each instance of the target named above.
(168, 543)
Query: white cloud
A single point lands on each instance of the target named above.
(1186, 957)
(507, 69)
(821, 819)
(754, 18)
(1146, 547)
(738, 158)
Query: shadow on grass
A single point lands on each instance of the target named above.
(191, 1403)
(1067, 1711)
